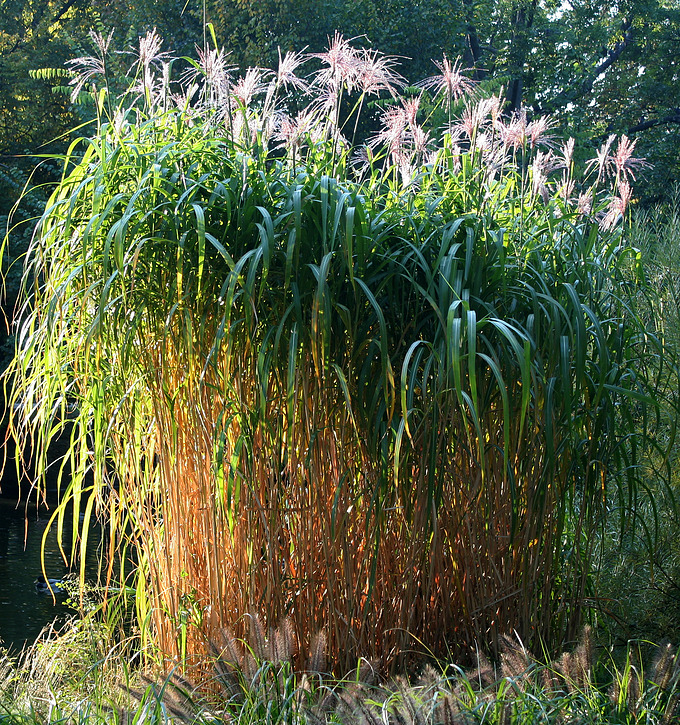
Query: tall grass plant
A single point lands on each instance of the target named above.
(383, 391)
(639, 578)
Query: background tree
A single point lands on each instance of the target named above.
(35, 113)
(415, 31)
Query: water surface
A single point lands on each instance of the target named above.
(23, 610)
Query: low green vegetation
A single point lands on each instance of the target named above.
(70, 678)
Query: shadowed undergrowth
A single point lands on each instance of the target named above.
(70, 678)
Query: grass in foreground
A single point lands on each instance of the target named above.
(69, 677)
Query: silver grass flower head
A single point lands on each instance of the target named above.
(455, 135)
(183, 100)
(293, 132)
(212, 70)
(457, 148)
(149, 55)
(622, 161)
(149, 52)
(406, 171)
(119, 121)
(285, 75)
(494, 109)
(483, 142)
(361, 159)
(537, 131)
(494, 158)
(87, 67)
(472, 119)
(325, 100)
(514, 132)
(286, 132)
(431, 159)
(584, 204)
(343, 63)
(567, 189)
(165, 81)
(393, 132)
(421, 139)
(102, 44)
(451, 82)
(247, 87)
(376, 73)
(617, 206)
(411, 106)
(602, 159)
(568, 152)
(546, 162)
(150, 48)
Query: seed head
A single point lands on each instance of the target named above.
(87, 67)
(450, 81)
(537, 131)
(150, 49)
(568, 153)
(393, 133)
(472, 119)
(343, 64)
(617, 206)
(623, 162)
(213, 71)
(584, 205)
(411, 106)
(543, 164)
(248, 86)
(293, 131)
(514, 133)
(421, 139)
(602, 159)
(376, 73)
(285, 75)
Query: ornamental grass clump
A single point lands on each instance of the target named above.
(383, 391)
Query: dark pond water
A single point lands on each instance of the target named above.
(24, 611)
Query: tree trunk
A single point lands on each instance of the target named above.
(522, 18)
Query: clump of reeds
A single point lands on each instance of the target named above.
(383, 390)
